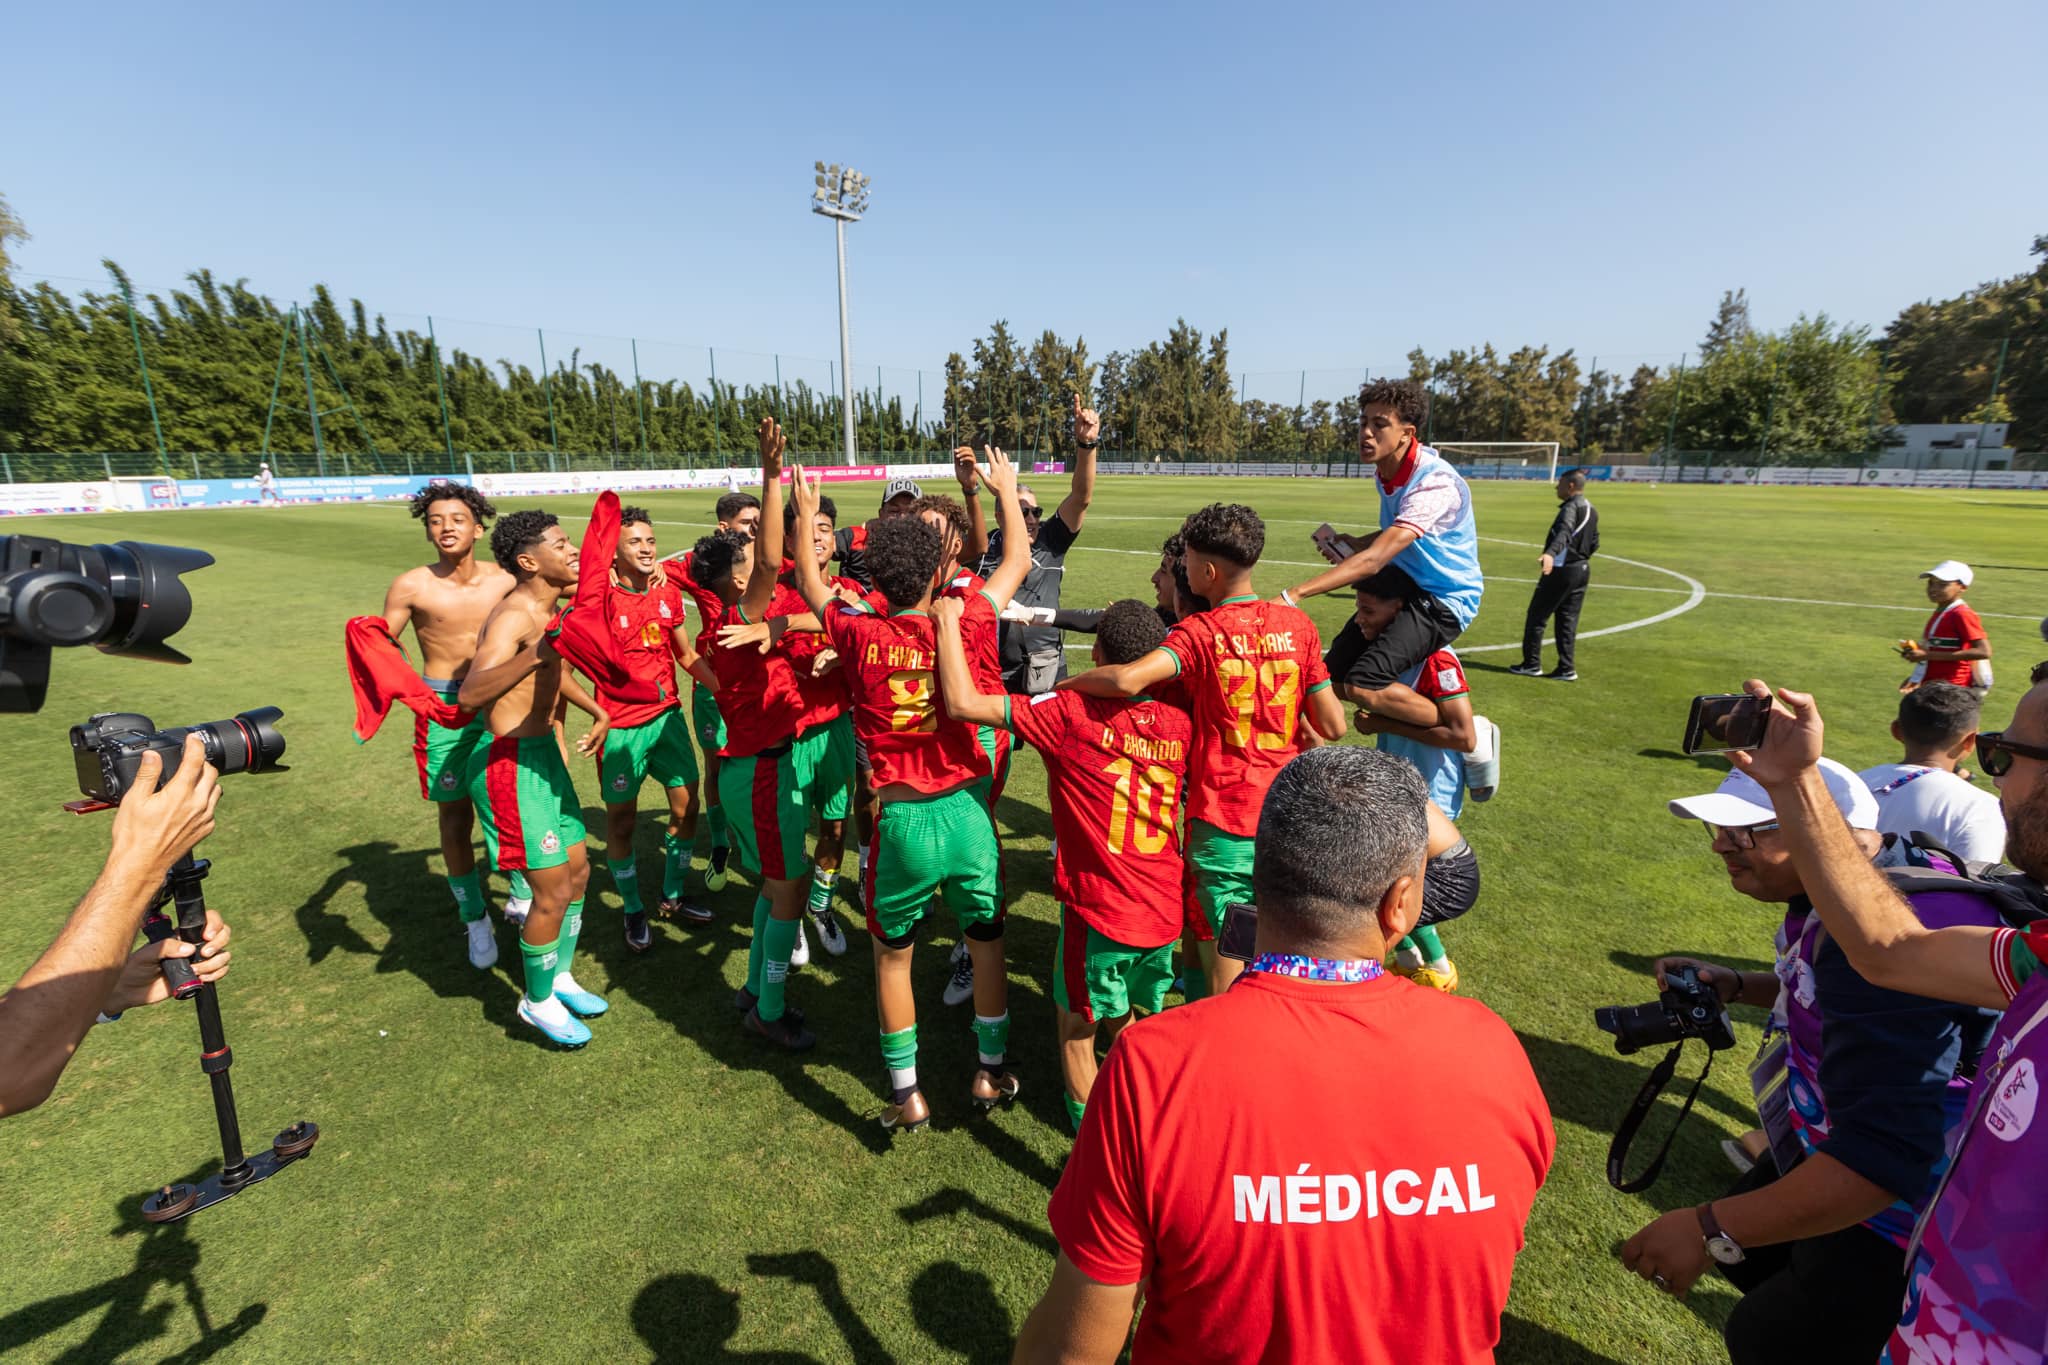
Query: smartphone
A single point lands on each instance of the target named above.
(1240, 934)
(1724, 722)
(1326, 536)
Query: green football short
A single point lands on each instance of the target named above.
(1221, 865)
(943, 845)
(705, 715)
(766, 810)
(1098, 978)
(522, 789)
(824, 767)
(443, 755)
(659, 749)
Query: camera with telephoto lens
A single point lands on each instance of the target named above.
(1686, 1008)
(109, 748)
(125, 598)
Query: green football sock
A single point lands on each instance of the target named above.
(1075, 1108)
(572, 929)
(822, 880)
(1425, 940)
(468, 890)
(718, 839)
(675, 864)
(755, 949)
(520, 890)
(992, 1038)
(541, 964)
(899, 1054)
(781, 941)
(626, 880)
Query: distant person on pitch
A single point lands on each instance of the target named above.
(1953, 647)
(266, 485)
(1566, 559)
(1922, 795)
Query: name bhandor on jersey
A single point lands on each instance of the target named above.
(641, 622)
(891, 663)
(1440, 677)
(1246, 667)
(757, 693)
(1116, 773)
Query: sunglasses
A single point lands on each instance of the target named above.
(1742, 836)
(1032, 512)
(1995, 752)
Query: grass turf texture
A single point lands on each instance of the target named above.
(679, 1189)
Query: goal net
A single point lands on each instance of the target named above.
(1502, 459)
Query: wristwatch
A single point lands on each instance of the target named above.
(1723, 1248)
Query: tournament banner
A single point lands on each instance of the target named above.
(28, 499)
(246, 493)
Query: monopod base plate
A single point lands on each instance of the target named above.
(172, 1202)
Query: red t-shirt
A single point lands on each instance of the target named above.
(826, 698)
(1247, 667)
(710, 606)
(757, 693)
(642, 622)
(980, 630)
(891, 664)
(1116, 770)
(1954, 626)
(1243, 1153)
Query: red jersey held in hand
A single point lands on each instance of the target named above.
(891, 663)
(826, 698)
(1116, 770)
(641, 622)
(757, 693)
(1240, 1156)
(1246, 668)
(710, 606)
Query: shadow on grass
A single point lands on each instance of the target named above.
(952, 1200)
(1523, 1341)
(687, 1319)
(958, 1309)
(815, 1271)
(136, 1314)
(1714, 763)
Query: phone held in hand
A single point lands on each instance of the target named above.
(1724, 722)
(1240, 935)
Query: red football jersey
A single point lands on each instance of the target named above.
(1954, 626)
(1246, 666)
(710, 606)
(891, 663)
(1221, 1163)
(1116, 770)
(826, 698)
(641, 622)
(980, 630)
(757, 693)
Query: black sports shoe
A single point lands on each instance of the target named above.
(784, 1032)
(1563, 674)
(743, 1003)
(715, 875)
(1526, 670)
(675, 907)
(638, 937)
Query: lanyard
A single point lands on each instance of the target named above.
(1317, 968)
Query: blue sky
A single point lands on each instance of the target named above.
(1335, 184)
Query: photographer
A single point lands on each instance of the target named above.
(1857, 1086)
(1240, 1157)
(89, 971)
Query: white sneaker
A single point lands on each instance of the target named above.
(960, 986)
(830, 936)
(483, 944)
(516, 908)
(800, 951)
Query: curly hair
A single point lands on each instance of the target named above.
(948, 509)
(635, 516)
(479, 506)
(518, 533)
(1408, 399)
(1388, 585)
(903, 554)
(1129, 631)
(713, 558)
(1228, 531)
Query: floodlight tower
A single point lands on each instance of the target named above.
(841, 194)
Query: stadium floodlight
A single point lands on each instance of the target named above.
(841, 194)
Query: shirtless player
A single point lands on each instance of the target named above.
(446, 602)
(532, 819)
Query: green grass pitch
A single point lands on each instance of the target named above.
(676, 1190)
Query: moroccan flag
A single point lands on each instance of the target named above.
(382, 677)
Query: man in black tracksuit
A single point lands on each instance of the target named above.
(1567, 553)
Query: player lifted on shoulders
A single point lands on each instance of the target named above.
(739, 513)
(532, 819)
(933, 835)
(1116, 770)
(644, 611)
(1426, 530)
(1249, 672)
(446, 603)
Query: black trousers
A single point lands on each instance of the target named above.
(1816, 1301)
(1559, 593)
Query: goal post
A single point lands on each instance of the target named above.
(1496, 456)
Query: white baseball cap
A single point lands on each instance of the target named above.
(901, 487)
(1741, 800)
(1951, 571)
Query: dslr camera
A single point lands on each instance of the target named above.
(109, 748)
(126, 598)
(1686, 1008)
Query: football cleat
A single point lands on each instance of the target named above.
(715, 876)
(483, 945)
(581, 1003)
(555, 1022)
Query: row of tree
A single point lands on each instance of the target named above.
(69, 381)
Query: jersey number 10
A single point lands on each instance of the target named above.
(1141, 813)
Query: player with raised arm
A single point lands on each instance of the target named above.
(933, 835)
(741, 513)
(445, 603)
(645, 612)
(759, 784)
(532, 819)
(1250, 672)
(1116, 770)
